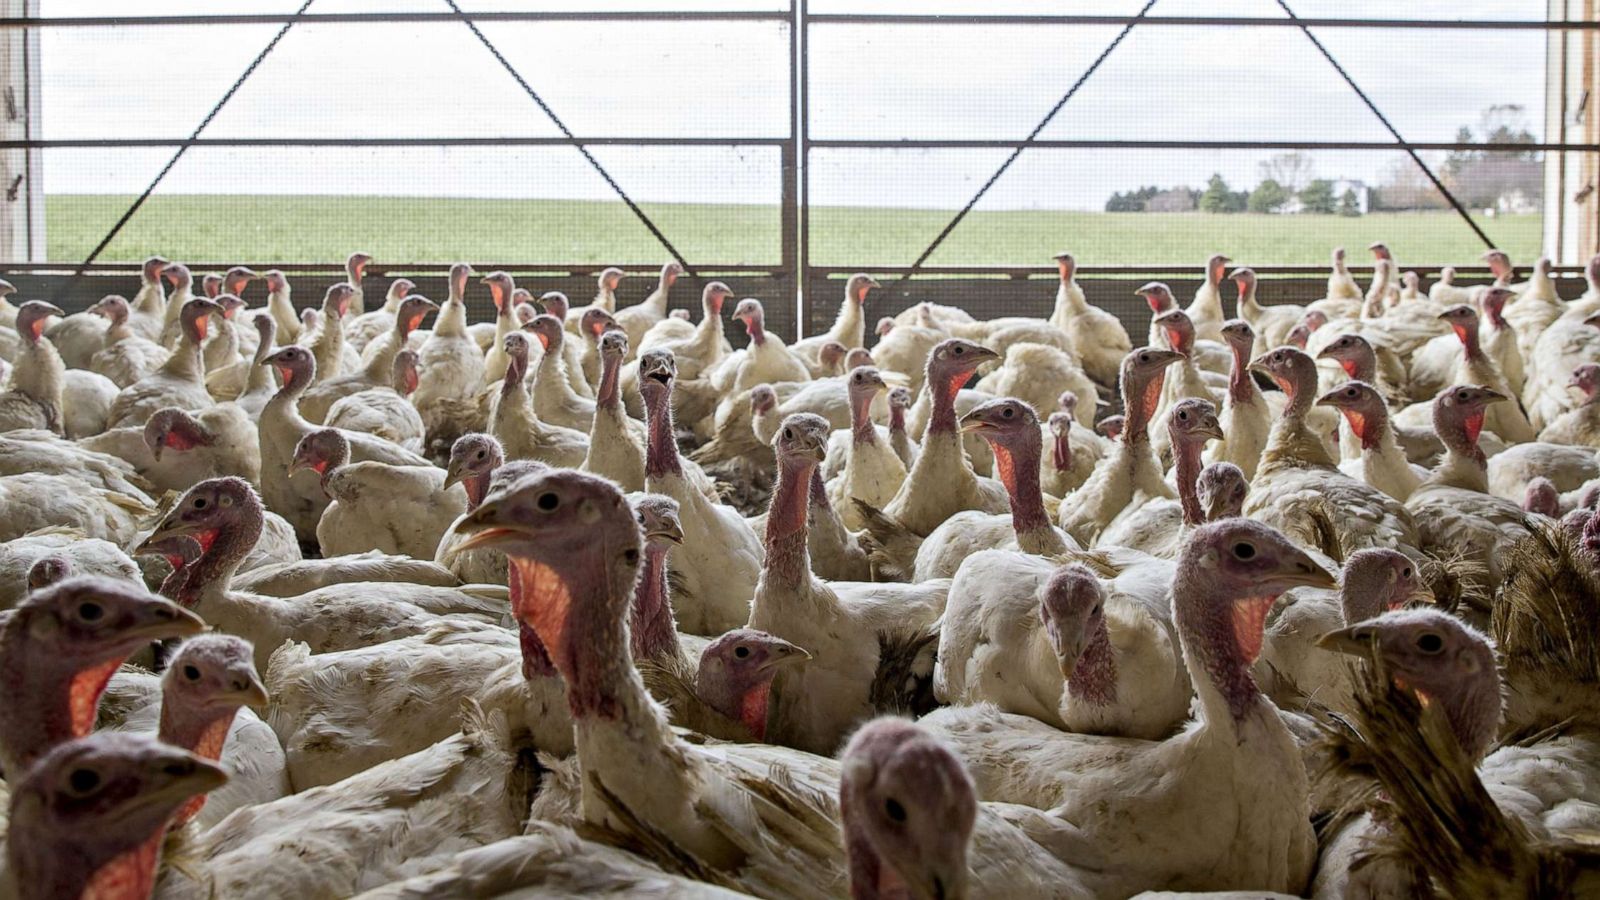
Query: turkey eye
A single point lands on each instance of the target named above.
(741, 651)
(959, 350)
(788, 434)
(1183, 415)
(548, 501)
(480, 454)
(630, 556)
(894, 810)
(1095, 611)
(199, 503)
(1430, 642)
(1406, 572)
(1243, 550)
(82, 781)
(1008, 412)
(90, 612)
(191, 672)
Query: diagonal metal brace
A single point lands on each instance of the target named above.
(595, 163)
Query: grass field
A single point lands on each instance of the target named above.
(270, 228)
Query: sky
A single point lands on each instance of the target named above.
(731, 79)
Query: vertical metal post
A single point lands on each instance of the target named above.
(21, 198)
(789, 215)
(1554, 240)
(802, 130)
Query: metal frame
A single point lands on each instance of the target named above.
(794, 267)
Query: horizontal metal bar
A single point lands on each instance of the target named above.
(383, 17)
(1184, 269)
(1201, 21)
(816, 143)
(780, 16)
(379, 271)
(1108, 144)
(550, 141)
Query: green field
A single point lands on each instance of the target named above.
(267, 229)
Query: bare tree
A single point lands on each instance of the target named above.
(1292, 170)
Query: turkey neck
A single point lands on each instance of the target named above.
(607, 397)
(1209, 632)
(452, 320)
(1363, 366)
(1094, 678)
(223, 551)
(187, 361)
(848, 327)
(152, 297)
(1241, 390)
(661, 448)
(943, 386)
(1247, 301)
(862, 433)
(1139, 395)
(1016, 464)
(1061, 449)
(40, 374)
(1468, 333)
(1186, 471)
(708, 334)
(1464, 465)
(757, 327)
(654, 634)
(788, 559)
(202, 732)
(897, 419)
(60, 706)
(536, 662)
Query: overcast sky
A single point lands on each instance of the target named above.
(731, 79)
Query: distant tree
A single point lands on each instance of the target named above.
(1291, 170)
(1177, 199)
(1217, 198)
(1317, 197)
(1268, 197)
(1132, 201)
(1347, 203)
(1405, 187)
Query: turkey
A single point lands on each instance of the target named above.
(721, 558)
(637, 775)
(59, 648)
(849, 326)
(1299, 490)
(68, 552)
(452, 370)
(298, 497)
(1205, 311)
(374, 505)
(1341, 286)
(766, 361)
(34, 397)
(1037, 374)
(1246, 420)
(1096, 337)
(1222, 489)
(362, 329)
(872, 471)
(503, 291)
(126, 357)
(1581, 425)
(1050, 642)
(378, 362)
(1454, 512)
(1130, 475)
(614, 449)
(1237, 755)
(1074, 452)
(1271, 323)
(1159, 526)
(941, 482)
(385, 410)
(281, 308)
(1381, 464)
(176, 448)
(32, 501)
(1183, 380)
(327, 345)
(89, 818)
(554, 401)
(514, 423)
(1569, 342)
(179, 382)
(1535, 307)
(1476, 367)
(638, 319)
(225, 516)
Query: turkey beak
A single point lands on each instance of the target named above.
(974, 423)
(1259, 364)
(945, 877)
(782, 652)
(1067, 644)
(248, 692)
(1300, 570)
(1331, 398)
(984, 354)
(174, 776)
(453, 476)
(669, 530)
(54, 310)
(1326, 353)
(1492, 396)
(164, 620)
(1215, 504)
(7, 288)
(1357, 640)
(1211, 429)
(1592, 320)
(484, 528)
